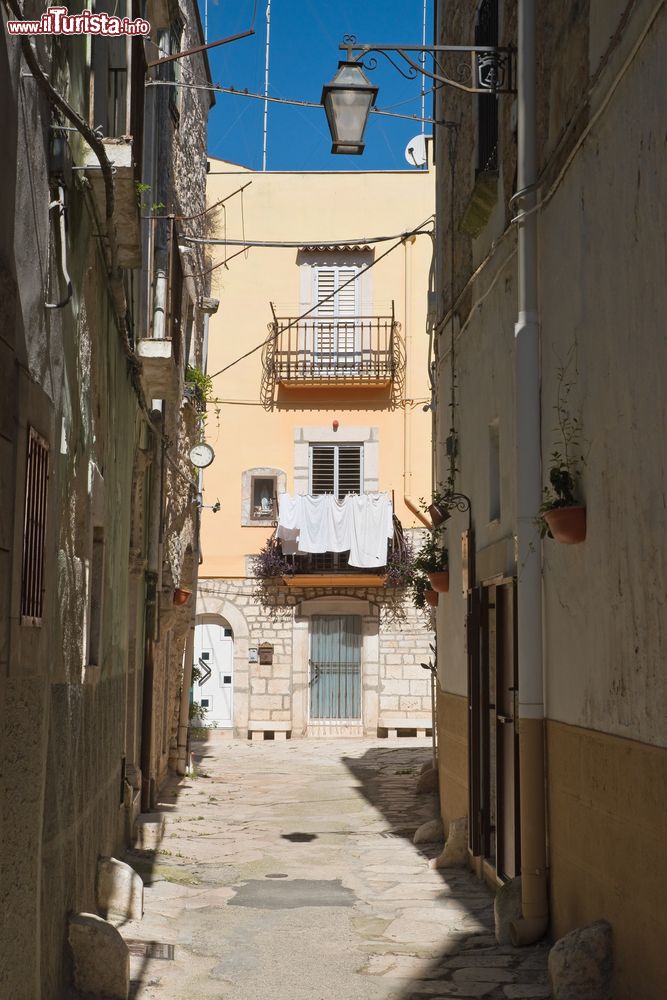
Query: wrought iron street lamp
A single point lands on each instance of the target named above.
(350, 96)
(347, 101)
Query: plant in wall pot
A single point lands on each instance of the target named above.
(433, 560)
(421, 591)
(438, 508)
(562, 515)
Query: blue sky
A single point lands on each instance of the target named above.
(304, 54)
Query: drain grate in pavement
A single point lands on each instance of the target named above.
(151, 949)
(397, 833)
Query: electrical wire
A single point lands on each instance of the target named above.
(272, 336)
(217, 89)
(298, 244)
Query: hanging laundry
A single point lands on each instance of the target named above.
(359, 524)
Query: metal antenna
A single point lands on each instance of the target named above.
(423, 90)
(266, 81)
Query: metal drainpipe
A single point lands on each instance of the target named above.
(188, 660)
(408, 499)
(152, 610)
(534, 899)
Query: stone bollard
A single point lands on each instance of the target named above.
(580, 964)
(101, 957)
(428, 781)
(455, 851)
(431, 832)
(506, 908)
(119, 890)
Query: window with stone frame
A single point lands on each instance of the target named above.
(260, 490)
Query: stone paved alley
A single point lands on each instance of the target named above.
(287, 872)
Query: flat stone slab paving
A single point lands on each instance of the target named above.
(287, 872)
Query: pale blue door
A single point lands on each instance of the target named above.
(335, 667)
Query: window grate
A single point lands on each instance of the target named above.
(486, 33)
(335, 468)
(34, 529)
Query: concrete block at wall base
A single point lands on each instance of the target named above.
(455, 851)
(580, 964)
(120, 891)
(428, 781)
(507, 908)
(101, 958)
(431, 832)
(148, 831)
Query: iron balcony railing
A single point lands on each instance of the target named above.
(333, 563)
(340, 350)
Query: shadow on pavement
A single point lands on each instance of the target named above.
(153, 865)
(469, 962)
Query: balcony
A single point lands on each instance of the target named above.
(337, 568)
(334, 351)
(126, 207)
(329, 569)
(159, 374)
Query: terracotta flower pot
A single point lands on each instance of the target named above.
(436, 514)
(567, 524)
(440, 581)
(431, 598)
(181, 596)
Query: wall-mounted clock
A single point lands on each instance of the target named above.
(201, 455)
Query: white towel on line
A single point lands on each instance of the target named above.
(361, 524)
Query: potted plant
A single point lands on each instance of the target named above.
(400, 564)
(562, 514)
(421, 592)
(433, 560)
(198, 388)
(270, 563)
(438, 508)
(432, 597)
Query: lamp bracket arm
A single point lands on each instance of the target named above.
(503, 58)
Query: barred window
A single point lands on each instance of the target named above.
(335, 468)
(486, 33)
(34, 529)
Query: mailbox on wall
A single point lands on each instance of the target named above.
(266, 653)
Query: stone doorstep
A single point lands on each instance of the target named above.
(148, 831)
(260, 729)
(422, 725)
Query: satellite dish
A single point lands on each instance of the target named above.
(415, 151)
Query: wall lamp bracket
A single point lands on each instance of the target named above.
(490, 69)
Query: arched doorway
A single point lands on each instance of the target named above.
(214, 657)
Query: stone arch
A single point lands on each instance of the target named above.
(218, 608)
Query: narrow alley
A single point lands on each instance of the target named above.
(287, 871)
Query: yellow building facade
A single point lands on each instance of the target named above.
(331, 399)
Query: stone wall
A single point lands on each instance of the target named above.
(394, 683)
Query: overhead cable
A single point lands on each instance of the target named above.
(217, 89)
(420, 231)
(296, 244)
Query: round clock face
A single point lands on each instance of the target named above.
(201, 455)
